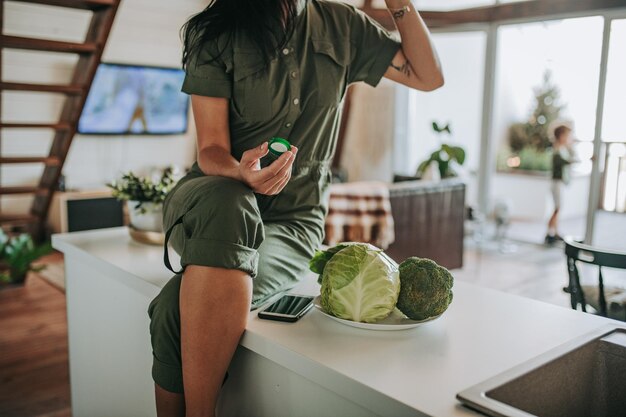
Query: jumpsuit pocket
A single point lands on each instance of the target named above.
(331, 68)
(252, 98)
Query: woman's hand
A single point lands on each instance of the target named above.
(270, 180)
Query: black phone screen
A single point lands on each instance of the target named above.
(289, 308)
(289, 305)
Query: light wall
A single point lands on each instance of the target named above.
(458, 103)
(369, 143)
(145, 32)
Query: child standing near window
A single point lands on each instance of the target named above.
(561, 159)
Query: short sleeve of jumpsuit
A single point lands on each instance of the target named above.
(220, 222)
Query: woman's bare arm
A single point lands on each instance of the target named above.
(213, 137)
(416, 64)
(214, 150)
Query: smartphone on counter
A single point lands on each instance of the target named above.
(290, 307)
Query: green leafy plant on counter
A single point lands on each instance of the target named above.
(142, 189)
(445, 157)
(17, 255)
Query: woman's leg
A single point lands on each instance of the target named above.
(214, 307)
(197, 321)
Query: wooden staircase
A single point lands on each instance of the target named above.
(90, 54)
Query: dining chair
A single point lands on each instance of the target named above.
(607, 300)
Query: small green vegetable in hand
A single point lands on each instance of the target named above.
(425, 288)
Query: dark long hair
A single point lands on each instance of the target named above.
(267, 23)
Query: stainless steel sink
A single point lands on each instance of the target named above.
(582, 378)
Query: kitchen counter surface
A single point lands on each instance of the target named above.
(412, 372)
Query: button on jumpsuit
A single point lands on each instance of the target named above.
(220, 222)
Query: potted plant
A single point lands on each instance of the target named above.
(17, 255)
(144, 197)
(444, 157)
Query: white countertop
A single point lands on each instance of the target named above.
(483, 333)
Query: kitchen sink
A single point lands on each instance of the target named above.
(582, 378)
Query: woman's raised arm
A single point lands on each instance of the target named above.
(416, 64)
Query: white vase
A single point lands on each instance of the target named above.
(151, 220)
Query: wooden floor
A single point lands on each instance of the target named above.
(34, 374)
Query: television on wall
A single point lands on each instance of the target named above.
(135, 100)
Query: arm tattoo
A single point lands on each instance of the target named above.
(398, 14)
(404, 68)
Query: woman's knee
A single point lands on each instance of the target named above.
(223, 209)
(164, 313)
(214, 201)
(165, 337)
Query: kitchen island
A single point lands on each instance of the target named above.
(315, 367)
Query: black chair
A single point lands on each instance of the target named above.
(584, 294)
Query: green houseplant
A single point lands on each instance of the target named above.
(444, 157)
(17, 255)
(145, 197)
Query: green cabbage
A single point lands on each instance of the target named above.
(359, 283)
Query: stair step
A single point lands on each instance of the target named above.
(55, 126)
(48, 160)
(18, 42)
(22, 190)
(18, 218)
(75, 4)
(70, 89)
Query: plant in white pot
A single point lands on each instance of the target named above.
(144, 197)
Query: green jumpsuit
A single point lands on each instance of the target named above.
(220, 222)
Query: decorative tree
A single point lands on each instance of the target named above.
(534, 133)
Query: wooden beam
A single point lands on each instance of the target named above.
(1, 77)
(43, 88)
(84, 73)
(74, 4)
(501, 12)
(17, 218)
(34, 44)
(22, 190)
(48, 160)
(26, 125)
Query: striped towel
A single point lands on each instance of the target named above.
(359, 212)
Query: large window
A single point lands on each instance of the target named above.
(614, 125)
(541, 66)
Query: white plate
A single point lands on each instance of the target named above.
(394, 321)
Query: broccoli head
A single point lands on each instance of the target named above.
(425, 288)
